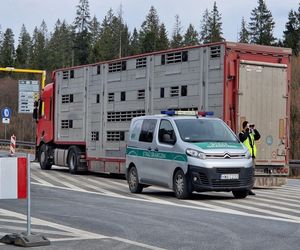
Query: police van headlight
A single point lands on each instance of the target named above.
(195, 153)
(247, 155)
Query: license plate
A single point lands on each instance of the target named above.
(229, 176)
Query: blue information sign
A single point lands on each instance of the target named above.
(6, 112)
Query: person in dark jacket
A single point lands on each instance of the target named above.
(248, 136)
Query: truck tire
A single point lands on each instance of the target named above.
(133, 181)
(240, 194)
(44, 157)
(74, 159)
(181, 185)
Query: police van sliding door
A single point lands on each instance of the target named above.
(262, 100)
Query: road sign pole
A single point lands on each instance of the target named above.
(5, 131)
(28, 197)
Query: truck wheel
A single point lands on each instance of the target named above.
(133, 181)
(44, 157)
(73, 160)
(181, 185)
(240, 194)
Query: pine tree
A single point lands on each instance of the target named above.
(292, 32)
(114, 38)
(1, 41)
(134, 43)
(82, 35)
(39, 54)
(94, 30)
(103, 49)
(244, 33)
(204, 33)
(23, 49)
(177, 39)
(82, 19)
(191, 36)
(61, 46)
(149, 32)
(215, 25)
(7, 50)
(261, 25)
(162, 41)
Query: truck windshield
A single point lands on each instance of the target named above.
(202, 130)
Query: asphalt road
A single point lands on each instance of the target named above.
(97, 212)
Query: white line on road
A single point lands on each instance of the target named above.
(35, 177)
(60, 181)
(69, 231)
(265, 211)
(234, 212)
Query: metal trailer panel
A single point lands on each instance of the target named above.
(70, 105)
(263, 100)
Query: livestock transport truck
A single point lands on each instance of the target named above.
(83, 116)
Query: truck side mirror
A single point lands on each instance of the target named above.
(35, 111)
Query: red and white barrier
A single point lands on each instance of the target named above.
(12, 146)
(13, 178)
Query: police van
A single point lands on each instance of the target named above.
(187, 152)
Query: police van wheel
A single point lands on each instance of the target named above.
(240, 194)
(181, 185)
(44, 157)
(133, 181)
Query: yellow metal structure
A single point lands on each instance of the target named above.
(33, 71)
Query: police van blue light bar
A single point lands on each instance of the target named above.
(188, 112)
(178, 112)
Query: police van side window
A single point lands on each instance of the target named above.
(147, 131)
(136, 130)
(166, 133)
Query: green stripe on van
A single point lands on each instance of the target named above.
(156, 155)
(219, 145)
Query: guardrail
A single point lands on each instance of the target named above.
(18, 143)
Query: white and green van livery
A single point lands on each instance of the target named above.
(186, 154)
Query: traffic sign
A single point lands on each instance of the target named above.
(28, 93)
(6, 112)
(6, 120)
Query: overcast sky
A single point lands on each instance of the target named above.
(14, 13)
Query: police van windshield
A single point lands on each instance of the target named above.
(201, 130)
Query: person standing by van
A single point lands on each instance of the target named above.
(248, 136)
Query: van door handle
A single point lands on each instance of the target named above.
(156, 149)
(149, 149)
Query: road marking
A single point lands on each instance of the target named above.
(38, 230)
(276, 197)
(234, 212)
(35, 177)
(59, 181)
(283, 192)
(137, 243)
(268, 206)
(70, 231)
(283, 196)
(265, 211)
(13, 221)
(276, 201)
(210, 206)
